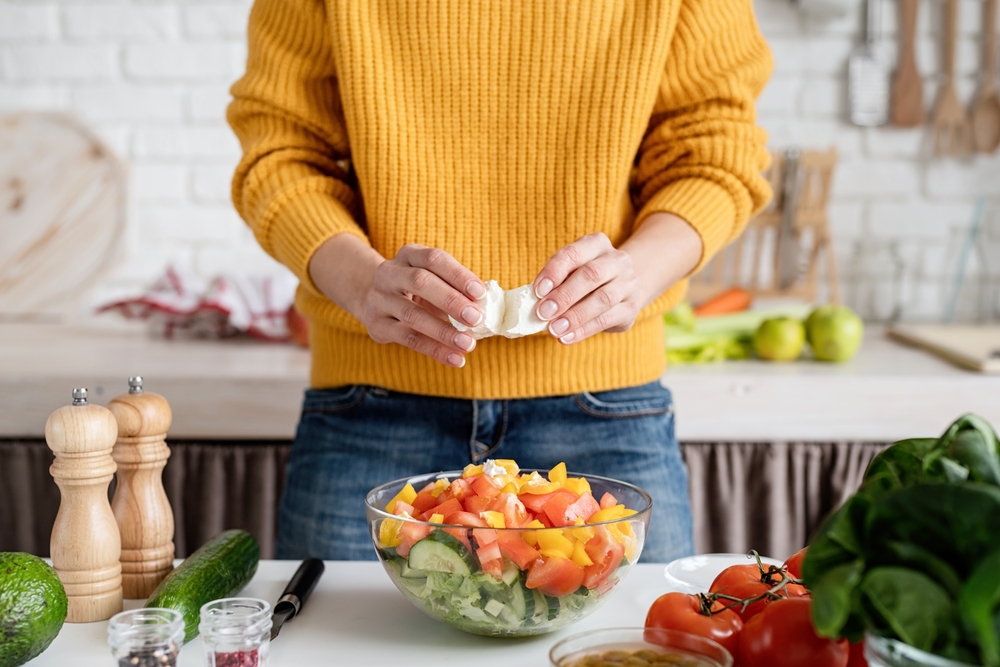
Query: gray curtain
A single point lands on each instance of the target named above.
(768, 496)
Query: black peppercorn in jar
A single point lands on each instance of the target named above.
(146, 637)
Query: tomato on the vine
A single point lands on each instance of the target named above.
(857, 657)
(680, 611)
(794, 563)
(747, 581)
(783, 636)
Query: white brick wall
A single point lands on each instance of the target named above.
(153, 78)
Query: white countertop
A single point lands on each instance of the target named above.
(356, 617)
(242, 389)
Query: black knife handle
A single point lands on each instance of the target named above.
(301, 584)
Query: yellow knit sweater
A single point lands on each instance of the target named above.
(499, 131)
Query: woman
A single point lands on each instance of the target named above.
(399, 154)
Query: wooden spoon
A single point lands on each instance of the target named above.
(985, 110)
(907, 108)
(952, 133)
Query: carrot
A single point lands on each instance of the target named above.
(732, 300)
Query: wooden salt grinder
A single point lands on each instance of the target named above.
(140, 504)
(85, 544)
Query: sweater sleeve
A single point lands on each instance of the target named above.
(292, 186)
(703, 154)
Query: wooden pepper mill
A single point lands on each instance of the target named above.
(85, 545)
(140, 504)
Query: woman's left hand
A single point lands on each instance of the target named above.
(587, 287)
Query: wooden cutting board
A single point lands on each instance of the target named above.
(973, 347)
(62, 214)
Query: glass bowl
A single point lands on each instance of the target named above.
(443, 575)
(639, 646)
(884, 652)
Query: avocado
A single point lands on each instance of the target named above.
(32, 607)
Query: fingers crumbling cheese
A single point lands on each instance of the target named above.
(509, 313)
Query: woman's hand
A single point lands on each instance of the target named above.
(406, 299)
(588, 287)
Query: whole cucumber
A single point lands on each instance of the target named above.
(220, 568)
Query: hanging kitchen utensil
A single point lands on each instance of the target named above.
(299, 587)
(787, 264)
(907, 86)
(951, 123)
(868, 77)
(985, 111)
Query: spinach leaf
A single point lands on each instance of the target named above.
(908, 605)
(900, 466)
(833, 597)
(958, 523)
(971, 449)
(978, 604)
(918, 558)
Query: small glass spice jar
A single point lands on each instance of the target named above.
(236, 632)
(146, 637)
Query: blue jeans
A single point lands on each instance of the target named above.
(351, 439)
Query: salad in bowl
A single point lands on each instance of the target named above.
(499, 551)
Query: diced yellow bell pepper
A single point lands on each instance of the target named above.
(511, 487)
(388, 533)
(530, 536)
(436, 518)
(558, 474)
(493, 519)
(580, 556)
(609, 514)
(439, 487)
(471, 470)
(537, 485)
(406, 494)
(555, 542)
(584, 533)
(510, 465)
(577, 485)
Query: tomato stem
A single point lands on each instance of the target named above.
(775, 592)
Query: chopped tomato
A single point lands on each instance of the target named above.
(486, 487)
(516, 549)
(584, 508)
(445, 508)
(490, 558)
(424, 501)
(460, 488)
(402, 508)
(608, 500)
(464, 519)
(606, 553)
(410, 533)
(485, 535)
(514, 513)
(557, 508)
(535, 503)
(476, 504)
(555, 576)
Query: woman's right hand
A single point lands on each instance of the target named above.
(406, 299)
(412, 296)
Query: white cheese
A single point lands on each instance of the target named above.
(519, 317)
(493, 470)
(508, 313)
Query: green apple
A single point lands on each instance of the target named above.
(834, 333)
(779, 339)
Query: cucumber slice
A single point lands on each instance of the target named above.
(510, 574)
(494, 607)
(553, 606)
(441, 552)
(541, 608)
(408, 572)
(520, 602)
